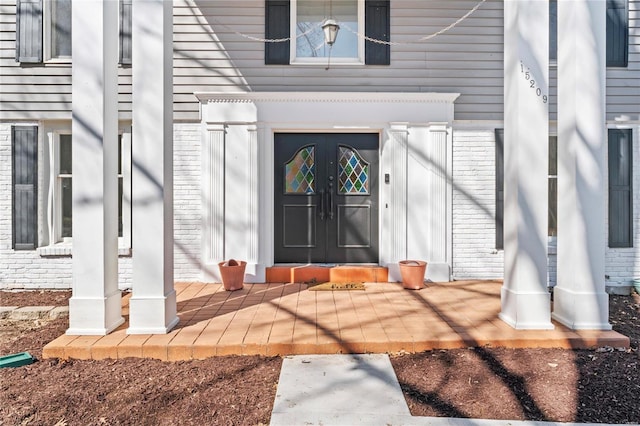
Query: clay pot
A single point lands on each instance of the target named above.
(232, 273)
(412, 272)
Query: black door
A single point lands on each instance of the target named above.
(326, 198)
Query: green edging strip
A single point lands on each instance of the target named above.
(16, 360)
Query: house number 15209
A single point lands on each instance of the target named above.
(532, 83)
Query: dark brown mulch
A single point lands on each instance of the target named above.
(540, 384)
(35, 298)
(601, 386)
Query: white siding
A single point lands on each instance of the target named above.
(210, 55)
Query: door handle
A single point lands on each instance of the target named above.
(330, 203)
(322, 204)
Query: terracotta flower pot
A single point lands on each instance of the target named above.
(232, 273)
(412, 272)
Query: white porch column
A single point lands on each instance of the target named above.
(580, 301)
(95, 305)
(525, 299)
(397, 216)
(153, 303)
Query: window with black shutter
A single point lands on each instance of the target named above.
(620, 188)
(42, 35)
(309, 43)
(617, 33)
(552, 230)
(24, 156)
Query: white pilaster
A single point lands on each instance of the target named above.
(428, 199)
(213, 201)
(580, 301)
(95, 307)
(153, 303)
(257, 271)
(397, 238)
(525, 299)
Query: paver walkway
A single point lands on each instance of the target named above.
(286, 319)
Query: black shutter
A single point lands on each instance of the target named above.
(29, 31)
(617, 33)
(277, 25)
(499, 189)
(620, 188)
(24, 183)
(125, 32)
(377, 25)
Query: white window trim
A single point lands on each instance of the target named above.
(48, 39)
(56, 245)
(294, 60)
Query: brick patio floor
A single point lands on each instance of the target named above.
(286, 319)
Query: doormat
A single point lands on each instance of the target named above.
(335, 286)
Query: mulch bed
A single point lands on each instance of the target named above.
(531, 384)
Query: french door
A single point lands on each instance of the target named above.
(326, 198)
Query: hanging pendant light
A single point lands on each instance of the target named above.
(330, 28)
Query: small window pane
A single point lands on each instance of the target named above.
(553, 186)
(61, 28)
(553, 206)
(553, 155)
(66, 203)
(310, 16)
(120, 193)
(65, 154)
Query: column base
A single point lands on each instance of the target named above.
(95, 316)
(526, 311)
(581, 311)
(152, 315)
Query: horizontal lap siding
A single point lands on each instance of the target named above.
(439, 65)
(37, 91)
(210, 55)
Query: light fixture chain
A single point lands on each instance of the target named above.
(343, 25)
(425, 38)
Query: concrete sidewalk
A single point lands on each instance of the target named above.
(353, 390)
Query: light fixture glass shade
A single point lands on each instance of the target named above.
(330, 28)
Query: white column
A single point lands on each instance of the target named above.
(580, 301)
(152, 308)
(399, 135)
(525, 299)
(95, 306)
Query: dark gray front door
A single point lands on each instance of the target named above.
(326, 198)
